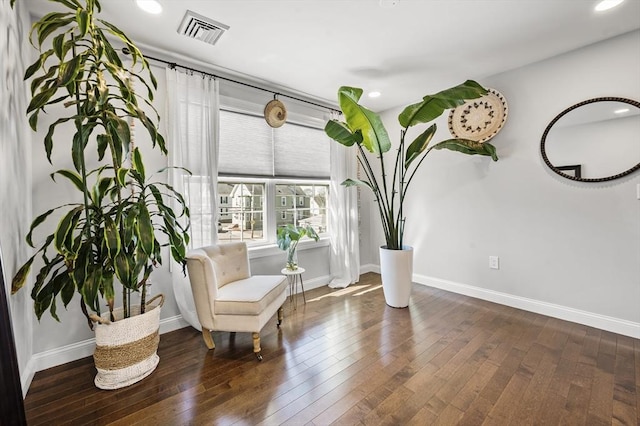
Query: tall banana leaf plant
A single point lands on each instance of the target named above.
(113, 234)
(364, 129)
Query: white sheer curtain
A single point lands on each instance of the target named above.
(193, 117)
(343, 218)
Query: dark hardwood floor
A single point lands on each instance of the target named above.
(346, 358)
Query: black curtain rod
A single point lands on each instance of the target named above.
(173, 65)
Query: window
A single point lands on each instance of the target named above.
(270, 177)
(247, 217)
(244, 219)
(311, 208)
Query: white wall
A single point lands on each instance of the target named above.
(566, 248)
(15, 194)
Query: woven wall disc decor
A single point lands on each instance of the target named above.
(479, 119)
(275, 113)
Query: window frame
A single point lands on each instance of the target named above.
(262, 247)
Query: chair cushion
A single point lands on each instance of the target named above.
(249, 296)
(230, 262)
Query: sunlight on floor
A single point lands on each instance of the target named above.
(348, 290)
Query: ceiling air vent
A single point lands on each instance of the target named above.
(201, 28)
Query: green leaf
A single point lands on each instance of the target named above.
(48, 139)
(67, 291)
(122, 176)
(120, 135)
(33, 68)
(47, 28)
(72, 176)
(161, 143)
(357, 182)
(467, 146)
(36, 82)
(90, 289)
(33, 121)
(122, 268)
(68, 71)
(151, 128)
(118, 33)
(20, 277)
(81, 264)
(111, 237)
(144, 229)
(57, 43)
(432, 106)
(82, 18)
(71, 4)
(77, 151)
(102, 186)
(418, 146)
(65, 228)
(103, 143)
(40, 306)
(41, 99)
(36, 222)
(103, 88)
(340, 132)
(491, 150)
(138, 165)
(109, 51)
(374, 135)
(107, 287)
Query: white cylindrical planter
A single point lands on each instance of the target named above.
(396, 268)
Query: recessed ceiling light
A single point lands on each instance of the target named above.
(149, 6)
(607, 4)
(621, 111)
(388, 4)
(374, 94)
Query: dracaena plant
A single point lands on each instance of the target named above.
(364, 129)
(113, 234)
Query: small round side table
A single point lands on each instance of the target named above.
(294, 276)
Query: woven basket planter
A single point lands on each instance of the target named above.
(126, 349)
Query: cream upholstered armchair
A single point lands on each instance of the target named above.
(227, 297)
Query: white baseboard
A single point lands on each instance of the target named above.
(26, 376)
(315, 283)
(74, 351)
(370, 267)
(603, 322)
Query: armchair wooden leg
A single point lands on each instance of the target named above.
(256, 346)
(280, 315)
(208, 339)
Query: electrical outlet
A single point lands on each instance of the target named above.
(494, 262)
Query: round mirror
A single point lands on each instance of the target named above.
(595, 140)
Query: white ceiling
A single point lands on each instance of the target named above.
(407, 51)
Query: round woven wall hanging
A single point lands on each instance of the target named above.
(275, 113)
(479, 119)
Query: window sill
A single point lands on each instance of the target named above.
(273, 250)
